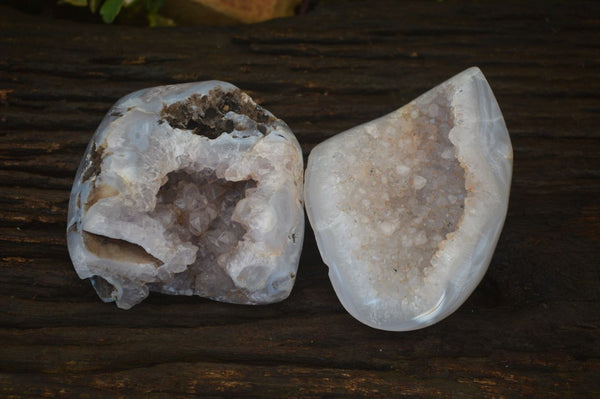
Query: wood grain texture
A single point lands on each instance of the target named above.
(532, 328)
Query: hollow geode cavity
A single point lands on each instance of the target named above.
(189, 189)
(407, 209)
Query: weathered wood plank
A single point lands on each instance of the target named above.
(505, 375)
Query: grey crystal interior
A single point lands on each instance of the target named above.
(197, 207)
(414, 190)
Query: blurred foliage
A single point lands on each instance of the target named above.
(166, 12)
(109, 9)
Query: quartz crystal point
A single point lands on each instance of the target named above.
(407, 209)
(188, 189)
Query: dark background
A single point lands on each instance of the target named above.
(531, 328)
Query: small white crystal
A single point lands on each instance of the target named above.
(419, 182)
(407, 251)
(189, 189)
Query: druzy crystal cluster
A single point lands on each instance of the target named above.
(195, 189)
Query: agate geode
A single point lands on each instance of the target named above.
(195, 189)
(407, 209)
(189, 189)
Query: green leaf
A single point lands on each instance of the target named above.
(77, 3)
(94, 5)
(110, 9)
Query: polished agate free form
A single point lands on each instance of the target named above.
(407, 209)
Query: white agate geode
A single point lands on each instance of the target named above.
(189, 189)
(407, 209)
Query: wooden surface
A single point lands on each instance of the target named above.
(532, 328)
